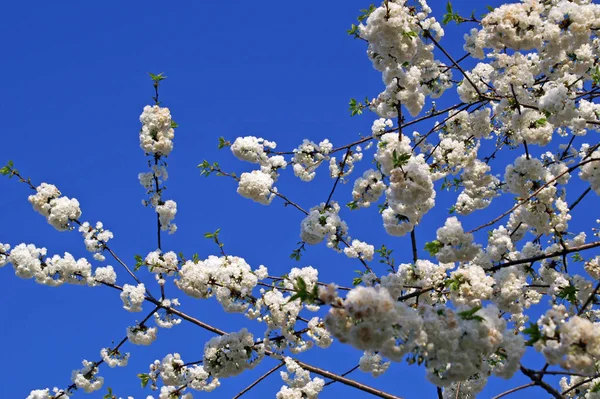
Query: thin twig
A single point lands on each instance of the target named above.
(262, 377)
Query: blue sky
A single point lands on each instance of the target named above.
(74, 81)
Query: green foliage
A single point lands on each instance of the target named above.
(454, 284)
(109, 395)
(568, 293)
(157, 78)
(455, 183)
(297, 253)
(356, 107)
(399, 160)
(303, 293)
(410, 34)
(539, 123)
(139, 262)
(206, 168)
(453, 16)
(8, 170)
(433, 247)
(577, 257)
(353, 31)
(174, 124)
(223, 143)
(144, 378)
(452, 209)
(450, 15)
(214, 235)
(353, 205)
(596, 77)
(534, 333)
(470, 314)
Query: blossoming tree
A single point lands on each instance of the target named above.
(469, 306)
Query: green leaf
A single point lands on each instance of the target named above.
(144, 379)
(355, 107)
(352, 205)
(540, 122)
(568, 293)
(174, 124)
(212, 235)
(157, 78)
(139, 262)
(356, 281)
(400, 160)
(577, 257)
(223, 143)
(433, 247)
(470, 314)
(410, 34)
(534, 333)
(109, 395)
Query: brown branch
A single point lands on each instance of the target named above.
(531, 384)
(262, 377)
(346, 381)
(544, 256)
(537, 380)
(536, 192)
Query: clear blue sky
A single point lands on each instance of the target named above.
(74, 81)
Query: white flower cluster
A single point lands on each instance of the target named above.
(335, 167)
(166, 212)
(87, 378)
(141, 335)
(4, 248)
(165, 318)
(397, 34)
(150, 180)
(469, 285)
(468, 343)
(361, 250)
(371, 320)
(45, 394)
(229, 278)
(156, 136)
(114, 358)
(411, 193)
(175, 374)
(422, 273)
(275, 308)
(95, 239)
(323, 223)
(373, 363)
(319, 333)
(572, 343)
(28, 262)
(160, 263)
(456, 245)
(546, 211)
(133, 297)
(299, 383)
(454, 345)
(59, 211)
(368, 189)
(479, 188)
(252, 149)
(257, 186)
(308, 156)
(590, 172)
(231, 354)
